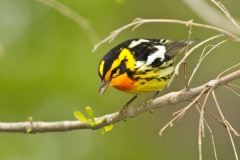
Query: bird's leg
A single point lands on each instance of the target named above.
(148, 101)
(155, 95)
(123, 110)
(185, 75)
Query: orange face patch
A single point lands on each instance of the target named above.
(123, 83)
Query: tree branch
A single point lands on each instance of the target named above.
(132, 111)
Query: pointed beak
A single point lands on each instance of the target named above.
(104, 85)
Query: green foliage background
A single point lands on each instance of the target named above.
(48, 72)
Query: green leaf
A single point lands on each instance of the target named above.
(90, 113)
(29, 130)
(101, 132)
(99, 121)
(94, 123)
(81, 117)
(105, 129)
(108, 128)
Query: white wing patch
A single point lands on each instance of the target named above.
(135, 43)
(158, 54)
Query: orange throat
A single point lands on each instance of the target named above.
(123, 83)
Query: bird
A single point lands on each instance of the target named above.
(140, 65)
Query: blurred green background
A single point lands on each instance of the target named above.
(48, 72)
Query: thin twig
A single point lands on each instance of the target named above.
(214, 116)
(221, 6)
(182, 112)
(228, 70)
(185, 61)
(226, 123)
(232, 129)
(229, 84)
(138, 21)
(201, 126)
(193, 48)
(221, 122)
(188, 53)
(202, 58)
(232, 90)
(212, 137)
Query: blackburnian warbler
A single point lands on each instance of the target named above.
(139, 66)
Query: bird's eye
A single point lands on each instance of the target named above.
(114, 71)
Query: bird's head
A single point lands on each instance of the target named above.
(114, 69)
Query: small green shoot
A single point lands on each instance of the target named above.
(91, 121)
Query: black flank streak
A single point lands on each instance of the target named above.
(168, 76)
(147, 79)
(164, 78)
